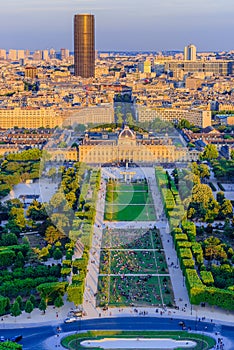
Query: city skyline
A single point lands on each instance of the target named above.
(120, 26)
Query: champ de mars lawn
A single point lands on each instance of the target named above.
(128, 202)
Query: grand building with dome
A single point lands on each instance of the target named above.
(131, 147)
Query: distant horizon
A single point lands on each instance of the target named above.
(117, 51)
(151, 25)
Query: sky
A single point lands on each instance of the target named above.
(147, 25)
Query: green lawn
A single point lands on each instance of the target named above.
(131, 239)
(130, 261)
(129, 252)
(140, 291)
(203, 342)
(129, 202)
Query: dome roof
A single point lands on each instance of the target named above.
(126, 133)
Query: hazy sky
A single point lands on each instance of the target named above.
(120, 24)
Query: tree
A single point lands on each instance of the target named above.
(42, 306)
(53, 235)
(204, 171)
(20, 302)
(226, 208)
(29, 307)
(50, 291)
(57, 255)
(210, 152)
(220, 197)
(206, 207)
(184, 124)
(4, 305)
(36, 211)
(232, 154)
(9, 239)
(58, 302)
(32, 299)
(129, 119)
(52, 173)
(61, 221)
(80, 128)
(15, 309)
(19, 261)
(75, 294)
(6, 258)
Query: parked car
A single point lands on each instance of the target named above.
(75, 313)
(16, 338)
(71, 319)
(2, 339)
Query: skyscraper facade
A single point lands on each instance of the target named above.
(84, 45)
(190, 53)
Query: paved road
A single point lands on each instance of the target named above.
(35, 338)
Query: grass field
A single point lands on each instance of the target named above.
(132, 262)
(133, 269)
(131, 239)
(128, 202)
(203, 342)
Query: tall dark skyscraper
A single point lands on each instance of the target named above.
(84, 45)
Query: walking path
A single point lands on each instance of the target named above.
(91, 285)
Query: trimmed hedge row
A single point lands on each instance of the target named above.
(170, 197)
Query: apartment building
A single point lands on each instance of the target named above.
(219, 67)
(90, 115)
(29, 118)
(197, 117)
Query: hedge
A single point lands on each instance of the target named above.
(207, 277)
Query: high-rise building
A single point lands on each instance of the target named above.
(45, 55)
(190, 53)
(52, 53)
(145, 67)
(37, 55)
(84, 45)
(20, 54)
(12, 55)
(27, 53)
(3, 54)
(64, 54)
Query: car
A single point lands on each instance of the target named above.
(75, 313)
(2, 339)
(16, 338)
(71, 319)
